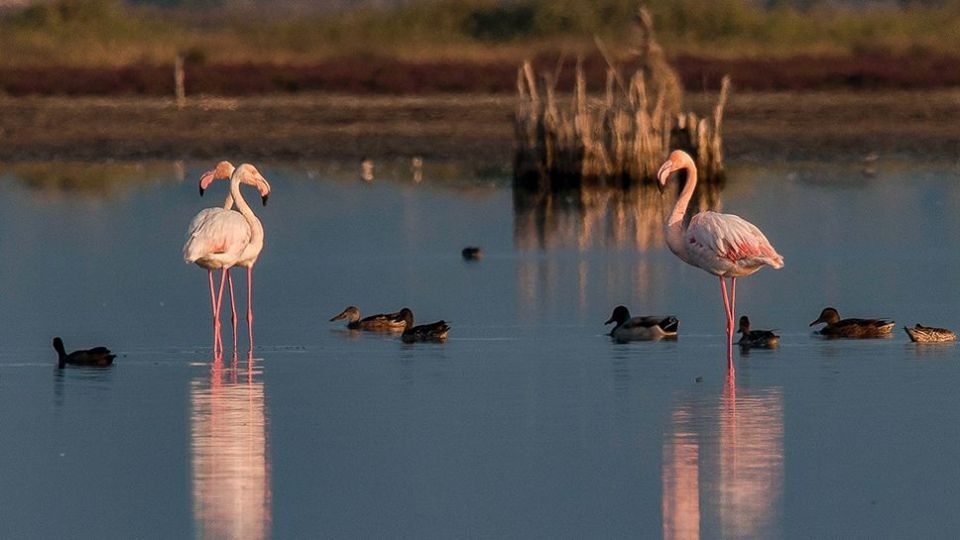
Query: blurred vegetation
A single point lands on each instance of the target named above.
(110, 32)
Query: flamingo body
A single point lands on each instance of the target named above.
(727, 245)
(216, 238)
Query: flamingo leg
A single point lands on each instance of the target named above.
(233, 310)
(250, 305)
(213, 306)
(219, 340)
(728, 308)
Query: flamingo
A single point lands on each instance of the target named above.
(724, 245)
(250, 254)
(219, 238)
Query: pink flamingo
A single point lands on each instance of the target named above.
(723, 244)
(219, 237)
(250, 253)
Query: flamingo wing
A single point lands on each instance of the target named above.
(218, 233)
(731, 238)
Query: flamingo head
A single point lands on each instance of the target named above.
(248, 174)
(223, 170)
(744, 325)
(678, 160)
(828, 315)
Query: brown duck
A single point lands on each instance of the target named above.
(756, 339)
(95, 357)
(851, 328)
(380, 321)
(929, 334)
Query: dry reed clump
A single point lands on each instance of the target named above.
(622, 137)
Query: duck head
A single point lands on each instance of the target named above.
(828, 315)
(407, 317)
(352, 314)
(61, 352)
(619, 316)
(744, 325)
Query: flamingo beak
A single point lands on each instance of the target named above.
(264, 198)
(664, 174)
(205, 180)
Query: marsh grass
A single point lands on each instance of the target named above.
(620, 138)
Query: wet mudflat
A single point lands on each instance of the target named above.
(529, 421)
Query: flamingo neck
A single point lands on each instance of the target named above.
(675, 230)
(242, 205)
(228, 202)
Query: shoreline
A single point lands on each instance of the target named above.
(471, 127)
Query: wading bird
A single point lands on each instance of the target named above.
(724, 245)
(219, 238)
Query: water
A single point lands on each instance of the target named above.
(528, 422)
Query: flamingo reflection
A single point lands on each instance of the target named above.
(723, 466)
(231, 466)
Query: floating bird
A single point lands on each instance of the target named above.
(724, 245)
(95, 357)
(928, 334)
(218, 238)
(471, 253)
(641, 328)
(756, 339)
(380, 321)
(436, 331)
(851, 328)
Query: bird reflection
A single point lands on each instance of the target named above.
(231, 466)
(598, 216)
(723, 465)
(585, 218)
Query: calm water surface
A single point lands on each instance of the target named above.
(529, 421)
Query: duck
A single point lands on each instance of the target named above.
(436, 331)
(95, 357)
(380, 321)
(929, 334)
(471, 253)
(851, 328)
(641, 328)
(759, 339)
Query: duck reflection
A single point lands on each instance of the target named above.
(231, 467)
(723, 466)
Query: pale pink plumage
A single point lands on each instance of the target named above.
(728, 245)
(222, 237)
(723, 244)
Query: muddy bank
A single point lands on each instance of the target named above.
(922, 70)
(837, 125)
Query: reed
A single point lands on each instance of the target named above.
(620, 137)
